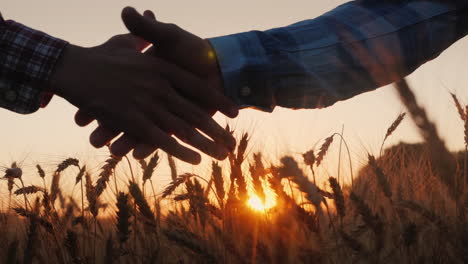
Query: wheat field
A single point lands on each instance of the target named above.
(407, 205)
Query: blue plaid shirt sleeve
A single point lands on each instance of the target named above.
(356, 47)
(27, 59)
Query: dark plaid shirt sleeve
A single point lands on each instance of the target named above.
(27, 59)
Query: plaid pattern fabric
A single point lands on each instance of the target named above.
(356, 47)
(27, 58)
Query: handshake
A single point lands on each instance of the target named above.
(171, 89)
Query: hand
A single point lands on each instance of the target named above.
(182, 48)
(129, 91)
(185, 50)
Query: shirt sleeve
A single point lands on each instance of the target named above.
(356, 47)
(27, 59)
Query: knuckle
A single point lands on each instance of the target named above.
(175, 30)
(173, 27)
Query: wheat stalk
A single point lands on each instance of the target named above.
(31, 242)
(40, 171)
(217, 176)
(242, 147)
(237, 178)
(29, 190)
(123, 216)
(257, 171)
(182, 197)
(14, 172)
(441, 158)
(104, 175)
(373, 221)
(91, 196)
(309, 160)
(80, 174)
(324, 149)
(41, 174)
(55, 187)
(141, 201)
(381, 178)
(460, 110)
(392, 129)
(149, 169)
(338, 197)
(290, 169)
(197, 200)
(67, 163)
(172, 166)
(34, 217)
(174, 184)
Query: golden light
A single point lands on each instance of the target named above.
(258, 205)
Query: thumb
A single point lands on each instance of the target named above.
(131, 40)
(171, 42)
(150, 14)
(149, 29)
(126, 41)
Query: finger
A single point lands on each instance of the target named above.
(194, 116)
(123, 145)
(127, 41)
(130, 40)
(82, 118)
(172, 124)
(142, 151)
(101, 136)
(194, 88)
(142, 129)
(172, 42)
(150, 29)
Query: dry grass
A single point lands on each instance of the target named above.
(406, 206)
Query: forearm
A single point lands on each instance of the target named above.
(354, 48)
(27, 60)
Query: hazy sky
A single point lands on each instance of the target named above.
(50, 135)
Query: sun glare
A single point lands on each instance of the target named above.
(258, 205)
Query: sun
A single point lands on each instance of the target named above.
(258, 205)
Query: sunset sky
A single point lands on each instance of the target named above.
(50, 135)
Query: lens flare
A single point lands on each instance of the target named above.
(258, 205)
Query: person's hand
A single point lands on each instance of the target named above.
(128, 91)
(182, 48)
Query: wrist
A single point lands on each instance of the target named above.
(66, 70)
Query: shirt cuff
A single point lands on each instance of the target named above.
(244, 65)
(27, 59)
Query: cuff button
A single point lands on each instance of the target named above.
(245, 91)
